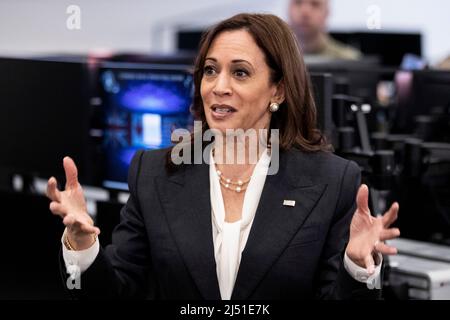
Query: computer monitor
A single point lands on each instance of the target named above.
(322, 87)
(356, 78)
(431, 89)
(389, 46)
(44, 116)
(189, 40)
(142, 104)
(178, 58)
(420, 93)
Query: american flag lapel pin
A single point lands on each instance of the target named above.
(289, 203)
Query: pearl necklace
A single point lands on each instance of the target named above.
(237, 186)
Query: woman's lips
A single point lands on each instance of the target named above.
(222, 111)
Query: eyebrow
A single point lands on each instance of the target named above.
(233, 61)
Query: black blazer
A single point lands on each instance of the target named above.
(163, 246)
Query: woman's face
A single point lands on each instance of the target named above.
(236, 89)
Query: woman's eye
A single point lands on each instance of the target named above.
(208, 71)
(241, 73)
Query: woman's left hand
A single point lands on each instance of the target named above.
(367, 233)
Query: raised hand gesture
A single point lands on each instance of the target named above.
(70, 205)
(368, 233)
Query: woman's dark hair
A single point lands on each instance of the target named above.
(296, 117)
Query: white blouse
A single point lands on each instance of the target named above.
(230, 238)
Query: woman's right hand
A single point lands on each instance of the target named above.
(70, 205)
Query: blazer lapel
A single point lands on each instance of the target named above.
(185, 198)
(186, 202)
(274, 224)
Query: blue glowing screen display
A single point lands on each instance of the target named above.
(142, 106)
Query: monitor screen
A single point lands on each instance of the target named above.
(420, 93)
(322, 88)
(389, 46)
(44, 116)
(356, 78)
(143, 104)
(189, 40)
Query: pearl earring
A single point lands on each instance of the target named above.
(274, 107)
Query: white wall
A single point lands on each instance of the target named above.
(39, 26)
(36, 26)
